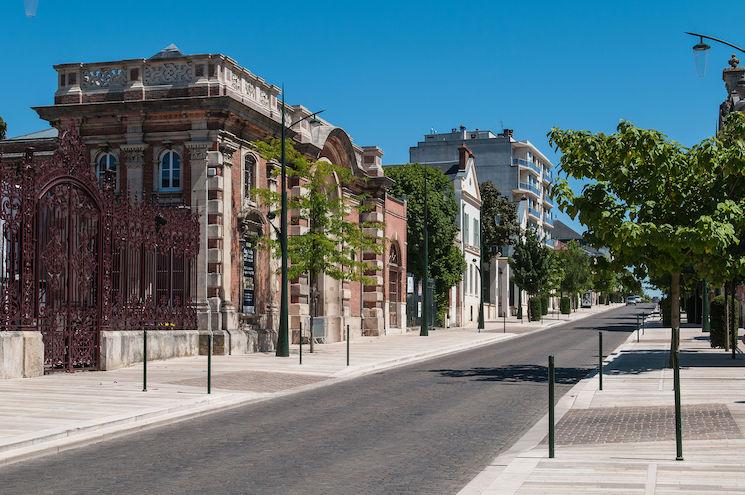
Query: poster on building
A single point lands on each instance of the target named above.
(587, 299)
(410, 284)
(249, 276)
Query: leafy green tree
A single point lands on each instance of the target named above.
(577, 270)
(333, 243)
(605, 278)
(446, 262)
(530, 266)
(3, 128)
(499, 225)
(655, 204)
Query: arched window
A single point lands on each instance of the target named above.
(106, 164)
(170, 171)
(249, 165)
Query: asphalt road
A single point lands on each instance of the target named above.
(427, 428)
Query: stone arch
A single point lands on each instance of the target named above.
(338, 148)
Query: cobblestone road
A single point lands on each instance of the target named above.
(427, 428)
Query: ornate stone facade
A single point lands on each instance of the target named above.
(183, 128)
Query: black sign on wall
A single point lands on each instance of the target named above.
(249, 279)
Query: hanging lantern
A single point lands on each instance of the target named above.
(30, 6)
(700, 52)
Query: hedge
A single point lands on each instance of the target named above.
(545, 301)
(536, 309)
(718, 335)
(565, 306)
(665, 312)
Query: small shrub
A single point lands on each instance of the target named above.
(535, 308)
(565, 305)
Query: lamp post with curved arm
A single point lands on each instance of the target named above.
(283, 341)
(700, 50)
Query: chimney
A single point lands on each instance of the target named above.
(372, 159)
(463, 155)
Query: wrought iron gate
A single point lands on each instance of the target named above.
(67, 272)
(76, 259)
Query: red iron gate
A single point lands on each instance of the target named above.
(77, 259)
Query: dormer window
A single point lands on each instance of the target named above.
(170, 172)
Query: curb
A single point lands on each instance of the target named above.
(484, 480)
(81, 436)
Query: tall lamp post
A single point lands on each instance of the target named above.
(283, 341)
(424, 331)
(498, 221)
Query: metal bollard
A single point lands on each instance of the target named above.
(209, 364)
(347, 345)
(637, 328)
(678, 419)
(551, 426)
(600, 358)
(301, 342)
(504, 320)
(144, 360)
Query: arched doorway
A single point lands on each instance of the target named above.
(394, 287)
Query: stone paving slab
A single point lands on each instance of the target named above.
(621, 440)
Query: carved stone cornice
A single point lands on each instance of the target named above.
(133, 155)
(228, 149)
(197, 150)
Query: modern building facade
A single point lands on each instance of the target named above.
(177, 130)
(519, 170)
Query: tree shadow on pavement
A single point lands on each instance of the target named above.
(635, 362)
(517, 373)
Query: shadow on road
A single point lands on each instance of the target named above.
(635, 362)
(517, 373)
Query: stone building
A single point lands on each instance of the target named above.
(178, 130)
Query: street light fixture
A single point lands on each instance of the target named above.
(700, 51)
(283, 341)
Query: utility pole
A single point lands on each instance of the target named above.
(283, 342)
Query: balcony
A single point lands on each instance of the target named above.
(550, 242)
(548, 201)
(527, 164)
(548, 220)
(548, 175)
(534, 212)
(527, 186)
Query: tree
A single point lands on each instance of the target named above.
(3, 128)
(333, 244)
(577, 271)
(499, 225)
(655, 204)
(446, 262)
(604, 277)
(529, 264)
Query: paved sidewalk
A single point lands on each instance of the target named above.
(61, 411)
(622, 440)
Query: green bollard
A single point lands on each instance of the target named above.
(551, 426)
(347, 345)
(301, 342)
(600, 358)
(209, 364)
(678, 413)
(504, 321)
(144, 360)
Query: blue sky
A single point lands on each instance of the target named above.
(388, 71)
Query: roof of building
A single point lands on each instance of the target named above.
(565, 233)
(448, 168)
(45, 134)
(171, 51)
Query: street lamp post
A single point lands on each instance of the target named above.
(425, 295)
(701, 48)
(283, 341)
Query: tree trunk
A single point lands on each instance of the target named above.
(313, 304)
(674, 314)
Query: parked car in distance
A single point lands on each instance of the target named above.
(630, 300)
(638, 299)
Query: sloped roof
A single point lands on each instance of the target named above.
(45, 134)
